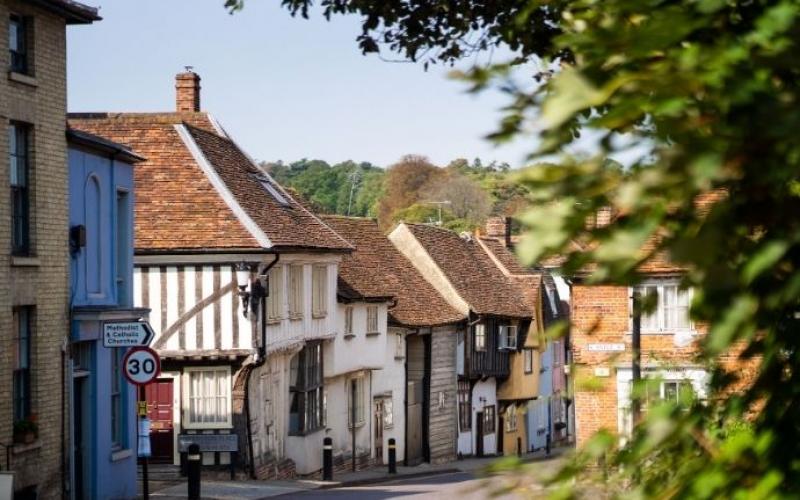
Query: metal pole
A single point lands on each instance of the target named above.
(392, 456)
(193, 458)
(636, 359)
(327, 459)
(145, 479)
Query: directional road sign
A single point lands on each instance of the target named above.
(141, 365)
(127, 333)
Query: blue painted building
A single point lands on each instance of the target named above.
(103, 404)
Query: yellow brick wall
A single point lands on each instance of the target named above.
(43, 281)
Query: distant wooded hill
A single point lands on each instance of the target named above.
(460, 195)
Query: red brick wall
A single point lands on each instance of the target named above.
(600, 315)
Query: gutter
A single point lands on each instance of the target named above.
(262, 358)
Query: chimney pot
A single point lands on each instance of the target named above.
(187, 92)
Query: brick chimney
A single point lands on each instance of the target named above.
(187, 91)
(499, 227)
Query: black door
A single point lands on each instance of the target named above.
(79, 444)
(479, 434)
(500, 432)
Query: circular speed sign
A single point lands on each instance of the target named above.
(141, 365)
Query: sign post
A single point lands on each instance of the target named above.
(127, 333)
(141, 365)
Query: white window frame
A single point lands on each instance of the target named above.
(388, 413)
(657, 322)
(479, 333)
(319, 291)
(527, 360)
(276, 292)
(508, 337)
(360, 406)
(372, 320)
(187, 396)
(399, 347)
(295, 282)
(511, 418)
(348, 321)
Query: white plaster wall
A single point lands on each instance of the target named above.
(338, 418)
(392, 379)
(286, 332)
(343, 355)
(486, 389)
(269, 406)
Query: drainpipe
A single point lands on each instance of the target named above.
(262, 358)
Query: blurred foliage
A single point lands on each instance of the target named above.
(708, 89)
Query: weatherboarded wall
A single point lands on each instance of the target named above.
(443, 418)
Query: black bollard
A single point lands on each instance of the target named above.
(547, 449)
(519, 447)
(193, 462)
(327, 459)
(392, 456)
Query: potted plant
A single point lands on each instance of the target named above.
(25, 430)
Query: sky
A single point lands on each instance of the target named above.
(284, 88)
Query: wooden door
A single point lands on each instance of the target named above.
(379, 431)
(159, 410)
(479, 434)
(414, 455)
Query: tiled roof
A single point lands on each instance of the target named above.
(505, 256)
(178, 205)
(475, 276)
(377, 269)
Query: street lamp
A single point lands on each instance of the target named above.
(252, 297)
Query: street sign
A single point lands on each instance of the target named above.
(127, 333)
(141, 365)
(605, 347)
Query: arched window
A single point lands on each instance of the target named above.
(94, 237)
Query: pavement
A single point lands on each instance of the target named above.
(413, 479)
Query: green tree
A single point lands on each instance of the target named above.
(709, 88)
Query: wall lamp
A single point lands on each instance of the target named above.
(251, 298)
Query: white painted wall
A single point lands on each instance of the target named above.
(338, 418)
(486, 390)
(346, 354)
(391, 380)
(287, 332)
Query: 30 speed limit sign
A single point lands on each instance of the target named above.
(141, 365)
